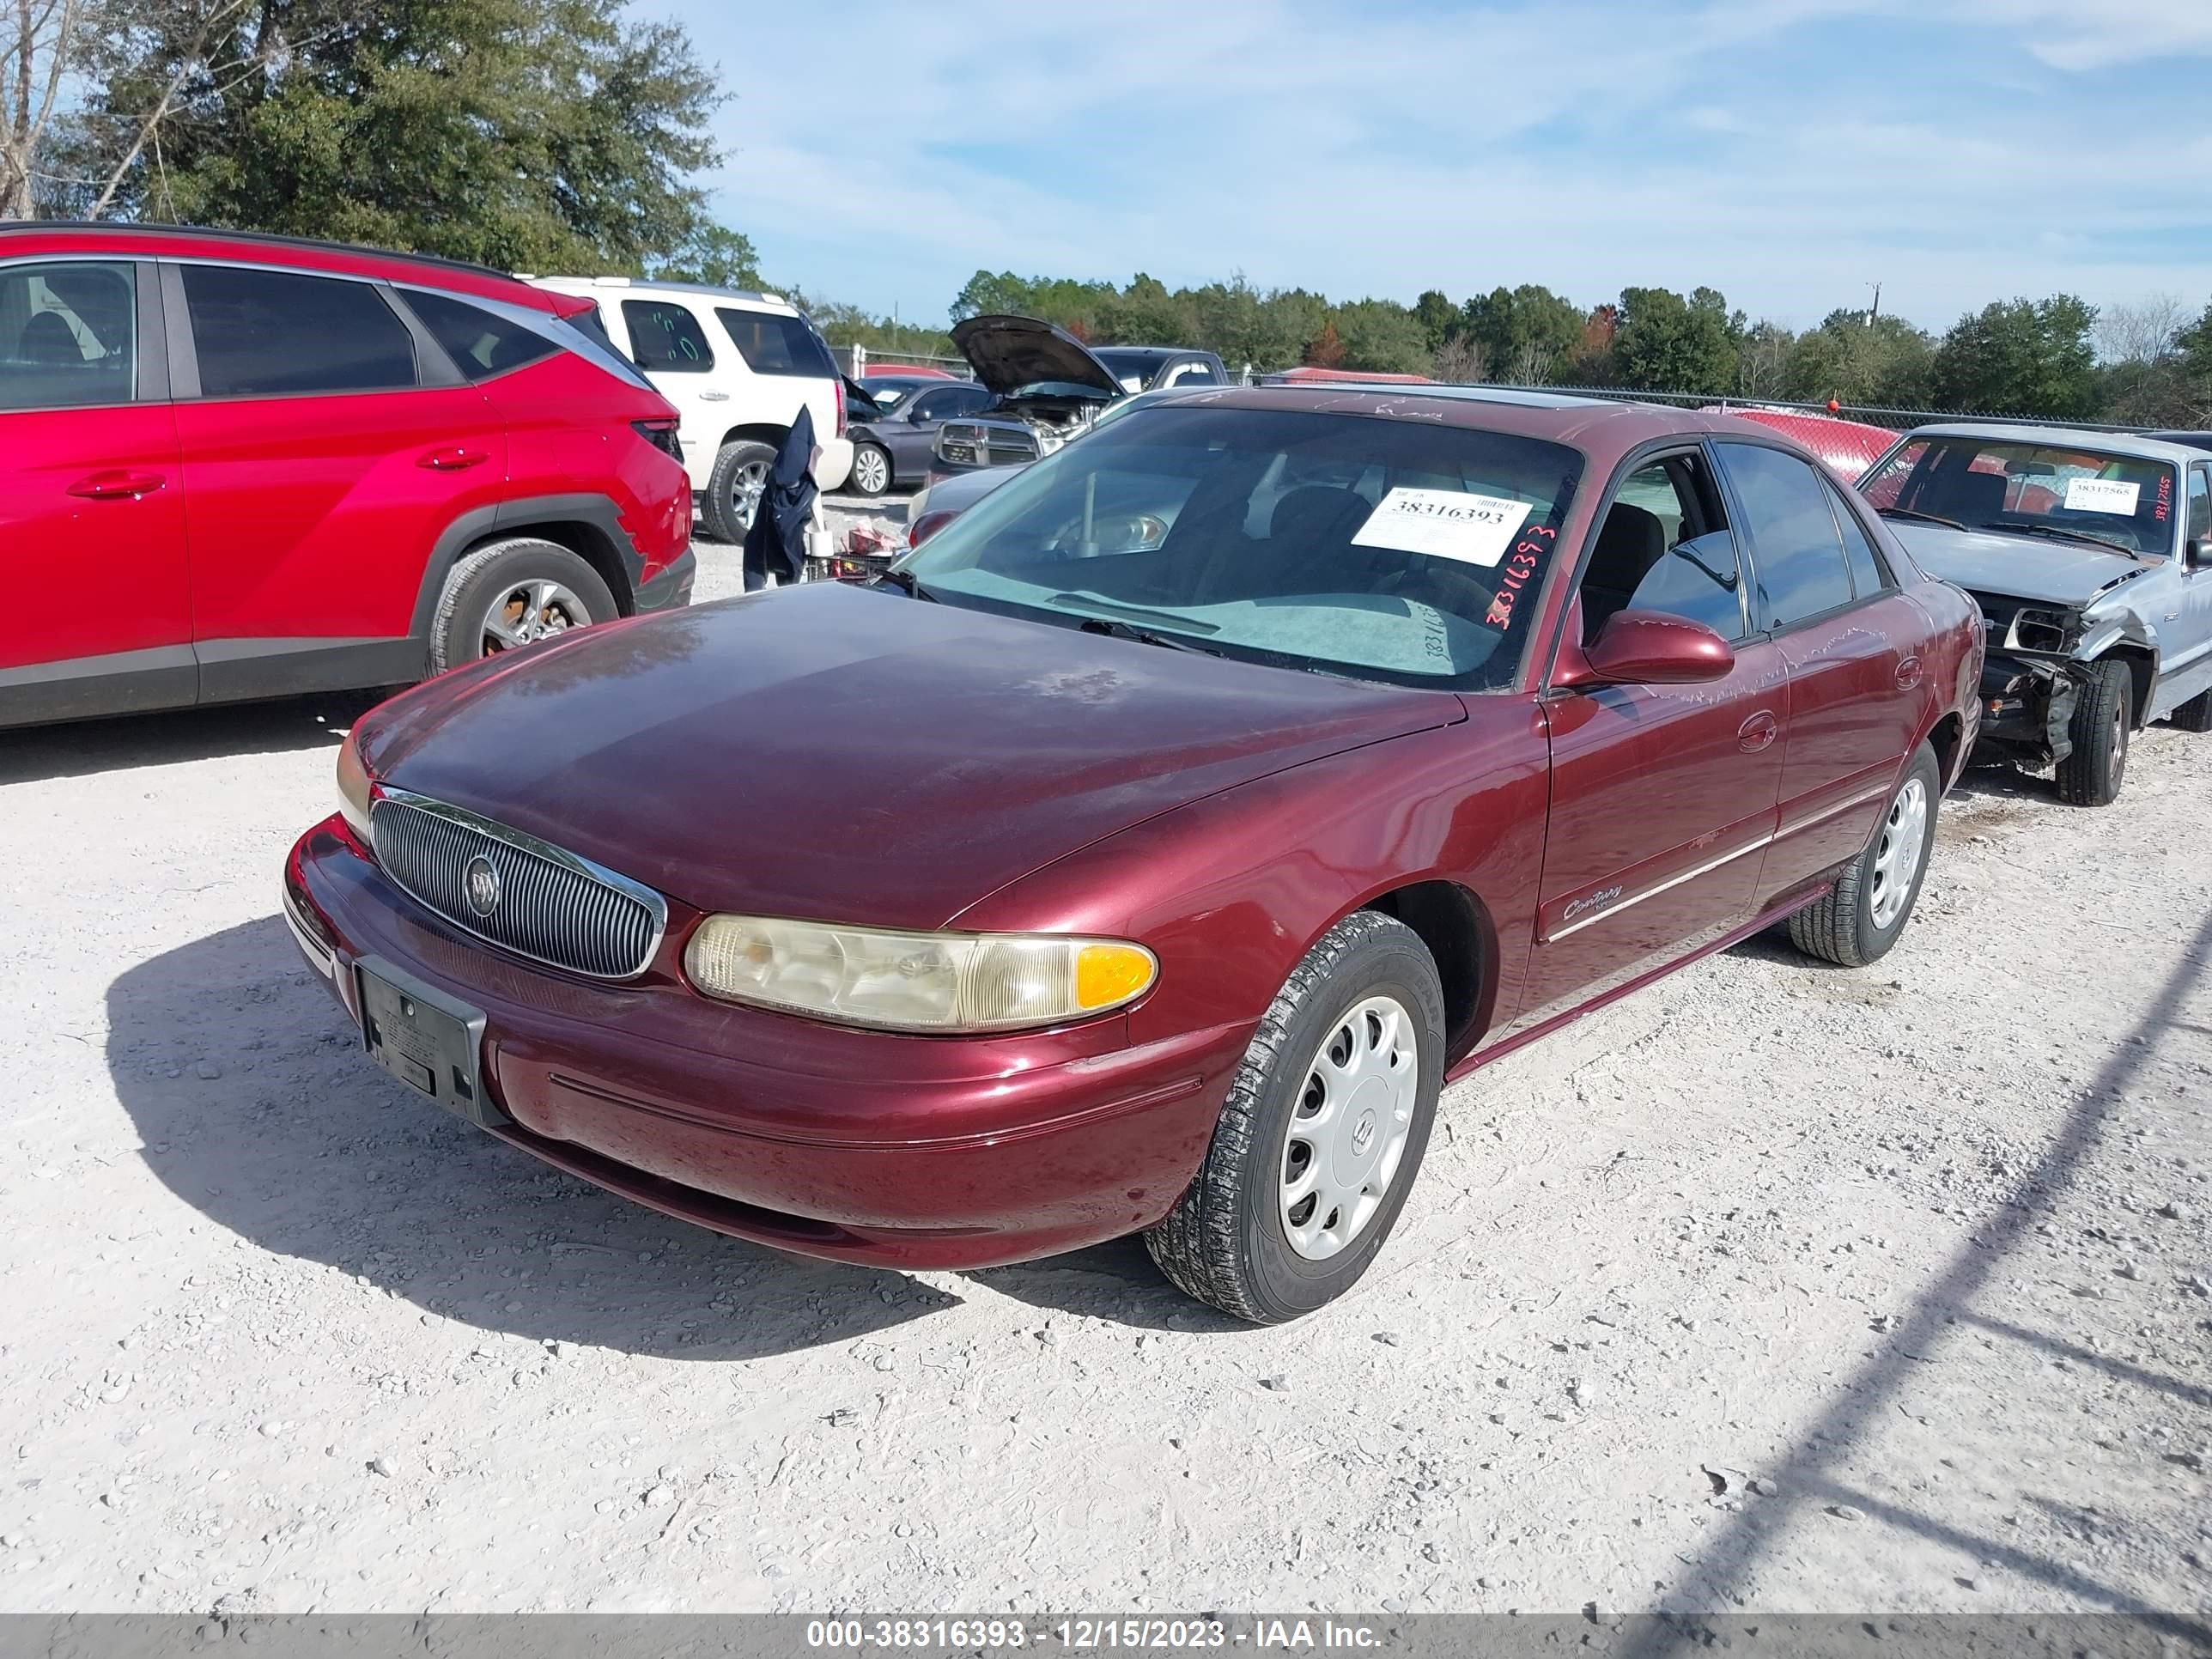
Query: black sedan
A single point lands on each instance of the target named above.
(895, 447)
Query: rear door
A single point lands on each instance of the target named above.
(1663, 796)
(668, 341)
(1849, 642)
(91, 494)
(329, 441)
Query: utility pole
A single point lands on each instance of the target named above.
(1876, 310)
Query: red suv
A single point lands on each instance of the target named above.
(234, 466)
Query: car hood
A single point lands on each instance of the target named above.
(2022, 567)
(851, 755)
(1009, 352)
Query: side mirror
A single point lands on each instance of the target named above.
(1646, 648)
(2199, 553)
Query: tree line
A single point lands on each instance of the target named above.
(564, 135)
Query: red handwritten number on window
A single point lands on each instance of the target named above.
(2165, 496)
(1527, 554)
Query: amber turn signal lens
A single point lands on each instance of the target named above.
(1109, 974)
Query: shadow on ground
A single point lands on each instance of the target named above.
(248, 1086)
(86, 747)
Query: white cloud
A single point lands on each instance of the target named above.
(1588, 145)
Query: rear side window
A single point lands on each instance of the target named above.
(1867, 576)
(666, 338)
(275, 333)
(480, 343)
(1801, 572)
(69, 335)
(773, 344)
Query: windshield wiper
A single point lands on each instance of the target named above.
(1122, 630)
(905, 582)
(1918, 517)
(2056, 534)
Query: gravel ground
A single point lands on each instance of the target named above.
(1778, 1287)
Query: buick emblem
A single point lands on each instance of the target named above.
(480, 882)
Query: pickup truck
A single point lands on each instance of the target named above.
(2090, 553)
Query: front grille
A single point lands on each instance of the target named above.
(547, 904)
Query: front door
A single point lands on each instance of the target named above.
(1858, 699)
(92, 526)
(323, 460)
(1663, 798)
(2185, 640)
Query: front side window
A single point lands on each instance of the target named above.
(1794, 539)
(1664, 545)
(2200, 503)
(480, 343)
(1377, 549)
(276, 333)
(69, 335)
(773, 344)
(2028, 488)
(666, 338)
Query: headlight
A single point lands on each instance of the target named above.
(353, 787)
(915, 981)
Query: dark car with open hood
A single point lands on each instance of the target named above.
(1145, 851)
(2090, 555)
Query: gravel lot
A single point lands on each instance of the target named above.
(1780, 1287)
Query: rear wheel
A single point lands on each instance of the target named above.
(871, 470)
(1863, 914)
(1324, 1129)
(2104, 714)
(733, 493)
(2195, 715)
(513, 594)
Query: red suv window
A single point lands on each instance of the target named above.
(268, 333)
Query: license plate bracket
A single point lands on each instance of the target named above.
(431, 1041)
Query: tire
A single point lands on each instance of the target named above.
(872, 473)
(2104, 714)
(2195, 715)
(1230, 1240)
(511, 593)
(1864, 914)
(733, 489)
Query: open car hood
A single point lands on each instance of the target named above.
(1009, 352)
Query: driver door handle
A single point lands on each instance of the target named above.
(454, 459)
(1757, 732)
(117, 484)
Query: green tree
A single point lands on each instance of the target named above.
(712, 253)
(1524, 333)
(533, 134)
(1668, 344)
(2021, 357)
(1382, 335)
(1884, 361)
(1438, 316)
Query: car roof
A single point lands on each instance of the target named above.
(263, 247)
(645, 285)
(1603, 426)
(2084, 437)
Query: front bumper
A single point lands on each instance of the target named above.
(670, 588)
(854, 1146)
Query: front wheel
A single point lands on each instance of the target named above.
(1323, 1130)
(511, 593)
(1863, 914)
(871, 470)
(2104, 714)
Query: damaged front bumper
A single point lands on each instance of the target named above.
(2027, 708)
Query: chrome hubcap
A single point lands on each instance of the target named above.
(746, 486)
(529, 610)
(1897, 855)
(872, 472)
(1347, 1132)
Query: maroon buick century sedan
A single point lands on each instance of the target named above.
(1145, 851)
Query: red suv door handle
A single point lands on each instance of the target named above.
(453, 460)
(1908, 674)
(117, 485)
(1755, 733)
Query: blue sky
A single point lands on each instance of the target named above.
(1786, 152)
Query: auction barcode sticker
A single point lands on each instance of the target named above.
(2099, 495)
(1444, 524)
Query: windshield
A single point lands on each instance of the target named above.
(2124, 500)
(1379, 549)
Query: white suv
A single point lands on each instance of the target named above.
(737, 367)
